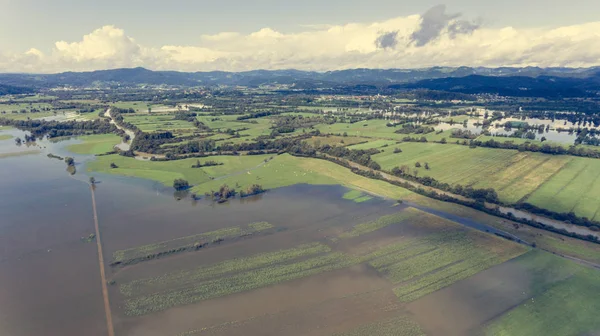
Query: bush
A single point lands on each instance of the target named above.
(181, 184)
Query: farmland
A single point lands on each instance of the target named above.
(561, 302)
(95, 144)
(427, 253)
(559, 183)
(324, 249)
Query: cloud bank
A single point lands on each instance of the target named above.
(435, 38)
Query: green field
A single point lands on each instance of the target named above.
(575, 188)
(166, 172)
(283, 170)
(335, 140)
(95, 144)
(152, 123)
(513, 174)
(564, 301)
(374, 144)
(5, 137)
(368, 128)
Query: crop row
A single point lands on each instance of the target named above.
(182, 278)
(241, 282)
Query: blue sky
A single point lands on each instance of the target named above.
(154, 25)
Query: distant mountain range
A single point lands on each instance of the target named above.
(529, 81)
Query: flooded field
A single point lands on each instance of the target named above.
(299, 260)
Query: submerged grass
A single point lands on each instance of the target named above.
(146, 251)
(397, 326)
(565, 303)
(95, 144)
(188, 277)
(379, 223)
(356, 196)
(237, 283)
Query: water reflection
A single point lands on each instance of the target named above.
(549, 129)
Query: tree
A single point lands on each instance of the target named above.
(426, 165)
(113, 165)
(418, 164)
(543, 139)
(180, 184)
(18, 141)
(69, 161)
(92, 180)
(345, 134)
(443, 140)
(397, 150)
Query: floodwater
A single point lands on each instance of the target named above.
(50, 279)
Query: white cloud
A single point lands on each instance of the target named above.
(325, 47)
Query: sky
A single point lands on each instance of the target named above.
(41, 36)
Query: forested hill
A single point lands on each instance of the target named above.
(531, 81)
(518, 86)
(9, 89)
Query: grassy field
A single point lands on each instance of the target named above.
(374, 144)
(514, 175)
(166, 172)
(5, 137)
(574, 188)
(95, 144)
(152, 123)
(564, 300)
(283, 170)
(334, 140)
(370, 128)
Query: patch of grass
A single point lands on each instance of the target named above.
(566, 306)
(357, 196)
(397, 326)
(5, 137)
(577, 248)
(379, 223)
(95, 144)
(183, 243)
